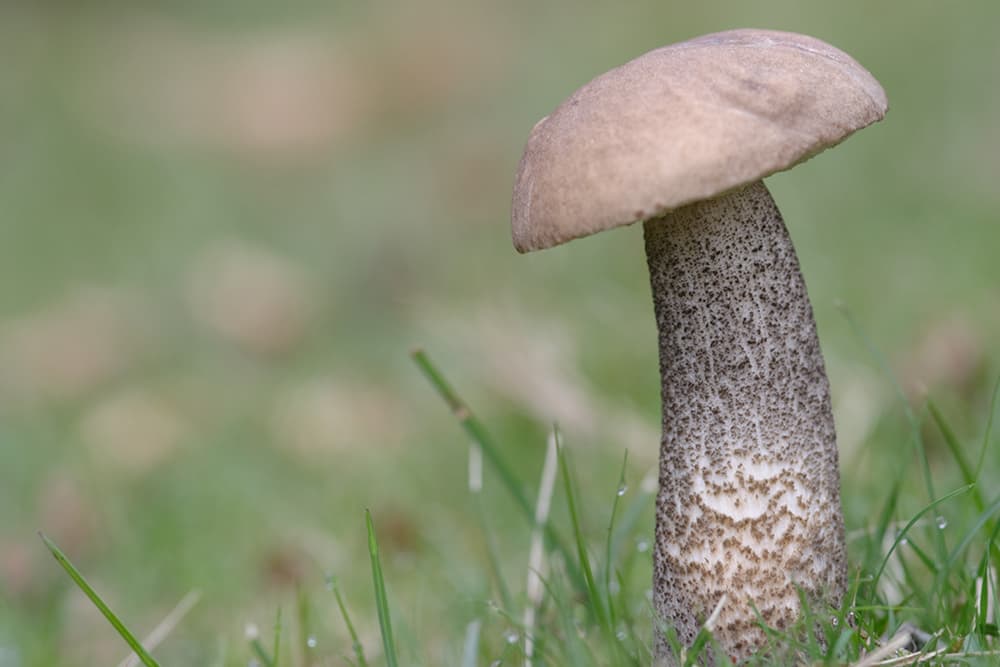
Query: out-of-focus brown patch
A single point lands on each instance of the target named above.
(422, 64)
(133, 432)
(397, 531)
(285, 566)
(18, 571)
(326, 418)
(67, 515)
(278, 95)
(71, 347)
(471, 171)
(250, 297)
(288, 95)
(949, 354)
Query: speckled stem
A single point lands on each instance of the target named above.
(749, 500)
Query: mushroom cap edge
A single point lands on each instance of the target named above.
(683, 123)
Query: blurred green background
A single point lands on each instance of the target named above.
(223, 224)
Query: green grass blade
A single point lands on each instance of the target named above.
(476, 430)
(302, 613)
(381, 599)
(594, 595)
(265, 658)
(989, 428)
(359, 651)
(625, 526)
(77, 578)
(970, 535)
(493, 555)
(985, 573)
(918, 440)
(619, 492)
(923, 557)
(950, 439)
(909, 524)
(276, 650)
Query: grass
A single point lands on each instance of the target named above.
(363, 153)
(907, 604)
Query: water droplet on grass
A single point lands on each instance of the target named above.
(311, 641)
(642, 546)
(622, 489)
(941, 522)
(511, 636)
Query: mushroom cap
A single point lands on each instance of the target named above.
(684, 123)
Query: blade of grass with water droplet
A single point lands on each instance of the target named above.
(911, 418)
(261, 652)
(302, 620)
(478, 433)
(98, 602)
(967, 539)
(619, 492)
(909, 524)
(276, 650)
(950, 439)
(381, 598)
(359, 651)
(594, 595)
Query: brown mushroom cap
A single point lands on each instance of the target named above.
(683, 123)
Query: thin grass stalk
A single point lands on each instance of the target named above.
(470, 648)
(536, 558)
(477, 431)
(356, 646)
(302, 612)
(98, 602)
(381, 598)
(918, 441)
(492, 552)
(164, 627)
(970, 535)
(909, 524)
(276, 645)
(594, 595)
(619, 492)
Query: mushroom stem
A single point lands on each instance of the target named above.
(749, 499)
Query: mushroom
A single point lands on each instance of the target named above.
(748, 511)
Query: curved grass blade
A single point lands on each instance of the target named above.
(596, 600)
(381, 598)
(918, 440)
(989, 428)
(476, 430)
(909, 524)
(359, 651)
(970, 535)
(619, 492)
(165, 627)
(276, 651)
(75, 575)
(265, 658)
(950, 439)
